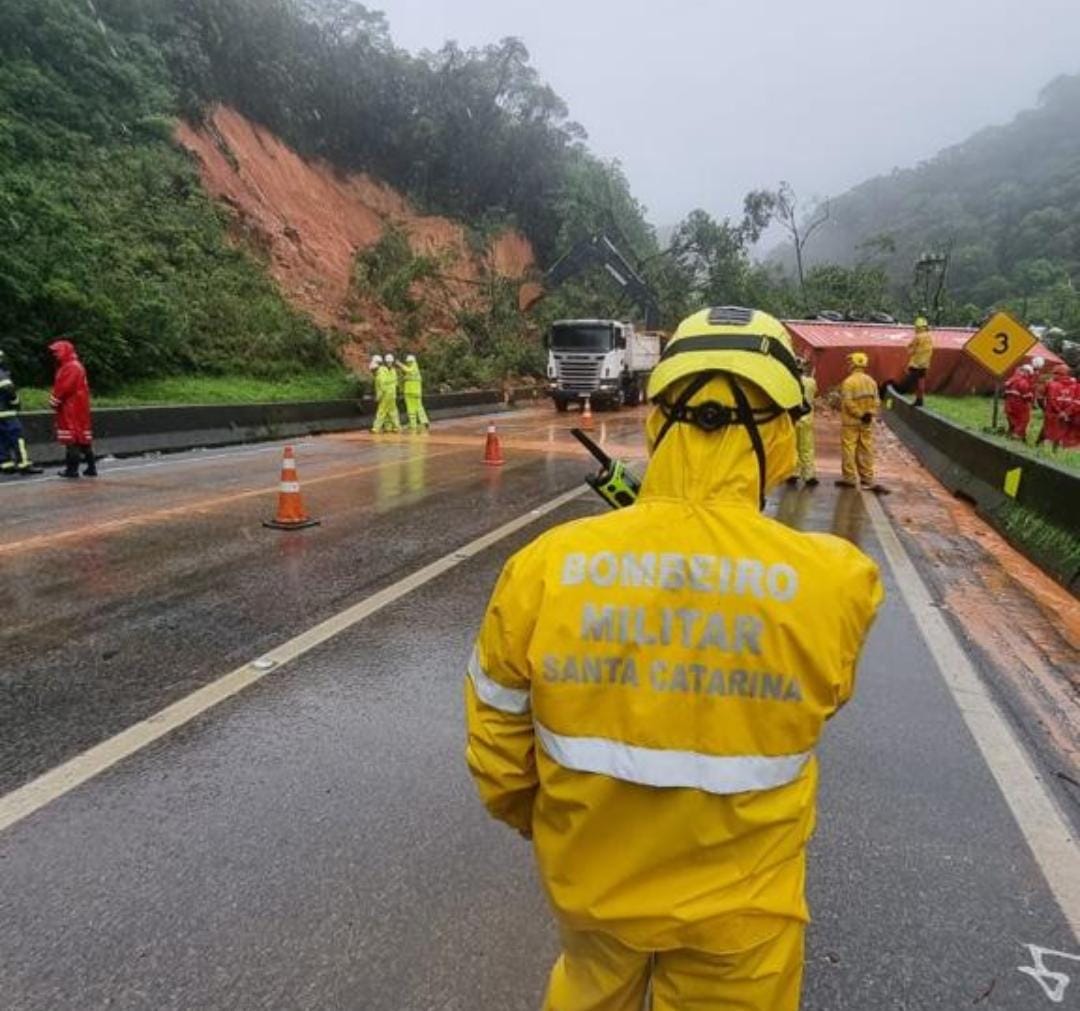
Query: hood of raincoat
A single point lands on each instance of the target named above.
(62, 351)
(717, 466)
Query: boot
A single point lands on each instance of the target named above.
(879, 489)
(90, 470)
(844, 483)
(28, 470)
(70, 474)
(812, 482)
(793, 480)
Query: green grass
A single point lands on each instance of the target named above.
(328, 385)
(975, 414)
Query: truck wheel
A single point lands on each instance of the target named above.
(561, 405)
(632, 395)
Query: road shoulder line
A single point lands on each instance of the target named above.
(1044, 827)
(49, 786)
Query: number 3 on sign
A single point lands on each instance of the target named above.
(1002, 345)
(1053, 983)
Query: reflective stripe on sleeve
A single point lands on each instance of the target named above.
(491, 693)
(720, 774)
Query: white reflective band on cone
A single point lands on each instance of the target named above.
(491, 693)
(290, 486)
(721, 774)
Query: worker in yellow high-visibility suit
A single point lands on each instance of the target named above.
(859, 405)
(387, 418)
(648, 687)
(804, 429)
(920, 355)
(413, 388)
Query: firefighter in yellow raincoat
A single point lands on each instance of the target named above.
(859, 405)
(648, 687)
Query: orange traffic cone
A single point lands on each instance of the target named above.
(492, 450)
(586, 415)
(290, 508)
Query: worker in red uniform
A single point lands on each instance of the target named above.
(1058, 407)
(71, 401)
(1072, 425)
(1019, 396)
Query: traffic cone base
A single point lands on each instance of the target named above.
(290, 509)
(586, 415)
(492, 449)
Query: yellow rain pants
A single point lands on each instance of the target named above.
(597, 973)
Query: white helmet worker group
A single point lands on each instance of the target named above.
(387, 419)
(648, 686)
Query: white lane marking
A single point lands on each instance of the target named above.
(1046, 829)
(1054, 984)
(48, 787)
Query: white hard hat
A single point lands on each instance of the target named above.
(1038, 362)
(410, 358)
(1026, 369)
(376, 360)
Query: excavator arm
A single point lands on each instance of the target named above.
(597, 250)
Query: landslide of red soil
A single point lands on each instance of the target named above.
(308, 221)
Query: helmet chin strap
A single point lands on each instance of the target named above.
(711, 416)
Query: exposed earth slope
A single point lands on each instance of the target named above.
(308, 221)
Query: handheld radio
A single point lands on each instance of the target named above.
(616, 484)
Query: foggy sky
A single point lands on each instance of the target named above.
(702, 101)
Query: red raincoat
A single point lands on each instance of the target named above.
(70, 396)
(1059, 393)
(1019, 393)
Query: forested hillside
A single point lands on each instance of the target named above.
(1004, 204)
(106, 232)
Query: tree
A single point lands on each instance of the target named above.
(782, 205)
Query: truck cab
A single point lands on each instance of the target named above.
(606, 360)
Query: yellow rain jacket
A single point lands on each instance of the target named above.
(858, 396)
(647, 690)
(920, 350)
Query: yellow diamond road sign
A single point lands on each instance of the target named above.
(1000, 344)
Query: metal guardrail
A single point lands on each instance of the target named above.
(993, 477)
(126, 431)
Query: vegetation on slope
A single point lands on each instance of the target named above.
(105, 233)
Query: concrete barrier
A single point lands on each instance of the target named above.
(998, 481)
(127, 431)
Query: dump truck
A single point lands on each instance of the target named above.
(606, 360)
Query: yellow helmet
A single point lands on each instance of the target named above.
(921, 323)
(858, 359)
(743, 342)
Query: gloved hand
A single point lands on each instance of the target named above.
(867, 418)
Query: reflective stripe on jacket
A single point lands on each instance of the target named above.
(858, 396)
(647, 689)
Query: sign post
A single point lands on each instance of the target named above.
(997, 347)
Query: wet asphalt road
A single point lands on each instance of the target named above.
(315, 842)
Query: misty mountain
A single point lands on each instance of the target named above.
(1005, 204)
